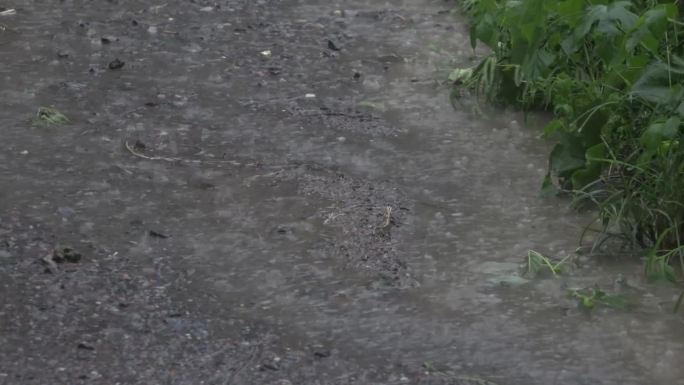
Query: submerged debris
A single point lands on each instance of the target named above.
(58, 256)
(66, 254)
(116, 64)
(333, 46)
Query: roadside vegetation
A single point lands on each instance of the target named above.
(612, 75)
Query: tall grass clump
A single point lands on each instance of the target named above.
(612, 74)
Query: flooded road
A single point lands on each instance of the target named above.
(280, 192)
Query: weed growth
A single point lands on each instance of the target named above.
(47, 116)
(589, 298)
(612, 74)
(536, 264)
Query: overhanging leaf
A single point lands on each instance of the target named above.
(660, 131)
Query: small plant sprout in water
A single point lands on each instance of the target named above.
(588, 299)
(536, 264)
(48, 116)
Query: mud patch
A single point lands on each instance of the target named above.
(366, 216)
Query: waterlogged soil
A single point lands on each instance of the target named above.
(279, 192)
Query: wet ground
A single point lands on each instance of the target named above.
(279, 192)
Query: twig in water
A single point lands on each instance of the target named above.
(388, 217)
(140, 155)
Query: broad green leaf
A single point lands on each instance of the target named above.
(657, 83)
(548, 188)
(533, 20)
(570, 11)
(537, 64)
(593, 166)
(656, 19)
(660, 131)
(552, 127)
(565, 158)
(613, 18)
(619, 11)
(486, 31)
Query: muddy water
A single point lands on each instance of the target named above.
(330, 195)
(471, 183)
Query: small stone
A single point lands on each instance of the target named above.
(333, 46)
(116, 64)
(341, 139)
(310, 96)
(152, 29)
(157, 234)
(206, 9)
(266, 53)
(270, 366)
(85, 346)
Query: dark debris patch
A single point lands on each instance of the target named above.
(116, 64)
(367, 215)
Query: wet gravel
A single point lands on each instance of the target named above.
(117, 69)
(278, 192)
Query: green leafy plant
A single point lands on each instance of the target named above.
(49, 116)
(589, 298)
(612, 74)
(536, 264)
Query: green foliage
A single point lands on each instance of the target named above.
(588, 299)
(536, 264)
(612, 73)
(49, 116)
